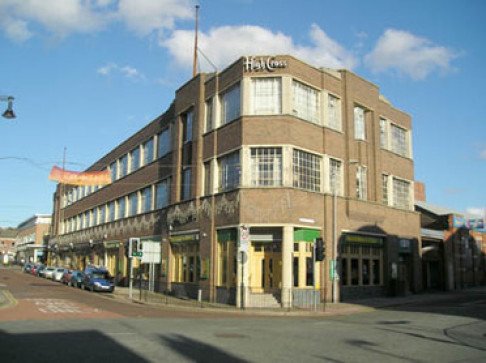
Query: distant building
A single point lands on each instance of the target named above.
(7, 245)
(32, 237)
(237, 179)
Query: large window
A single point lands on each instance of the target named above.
(134, 159)
(102, 214)
(266, 96)
(335, 176)
(361, 183)
(384, 188)
(120, 210)
(162, 194)
(208, 186)
(209, 122)
(113, 171)
(186, 183)
(187, 120)
(123, 165)
(399, 140)
(111, 211)
(307, 170)
(401, 193)
(306, 102)
(148, 151)
(186, 264)
(359, 124)
(230, 104)
(266, 166)
(164, 142)
(146, 204)
(383, 133)
(229, 171)
(333, 112)
(133, 204)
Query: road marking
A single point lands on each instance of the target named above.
(60, 306)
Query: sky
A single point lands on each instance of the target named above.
(87, 74)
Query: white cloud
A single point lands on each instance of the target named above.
(224, 44)
(482, 154)
(408, 54)
(64, 17)
(126, 71)
(475, 211)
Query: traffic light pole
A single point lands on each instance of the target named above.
(334, 245)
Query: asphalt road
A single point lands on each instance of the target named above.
(54, 323)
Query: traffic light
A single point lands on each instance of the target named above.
(320, 249)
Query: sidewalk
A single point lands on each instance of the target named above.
(328, 309)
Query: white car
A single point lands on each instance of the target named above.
(48, 272)
(58, 273)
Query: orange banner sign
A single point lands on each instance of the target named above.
(80, 178)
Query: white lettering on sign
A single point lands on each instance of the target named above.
(252, 64)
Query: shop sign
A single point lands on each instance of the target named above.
(181, 238)
(111, 245)
(356, 238)
(244, 238)
(269, 64)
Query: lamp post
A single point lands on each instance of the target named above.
(9, 113)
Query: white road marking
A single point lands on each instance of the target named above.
(55, 306)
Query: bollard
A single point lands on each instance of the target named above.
(199, 296)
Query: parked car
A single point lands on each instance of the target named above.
(76, 278)
(98, 280)
(66, 277)
(40, 270)
(48, 272)
(34, 269)
(58, 273)
(27, 267)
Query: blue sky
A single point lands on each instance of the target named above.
(86, 74)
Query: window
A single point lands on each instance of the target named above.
(209, 115)
(123, 166)
(135, 159)
(229, 171)
(401, 193)
(383, 133)
(102, 214)
(186, 262)
(335, 176)
(361, 183)
(399, 140)
(111, 211)
(208, 187)
(120, 210)
(186, 184)
(333, 112)
(307, 170)
(162, 194)
(226, 263)
(96, 216)
(146, 204)
(306, 102)
(266, 96)
(133, 201)
(148, 151)
(354, 271)
(359, 124)
(230, 104)
(164, 142)
(266, 166)
(187, 126)
(113, 171)
(384, 189)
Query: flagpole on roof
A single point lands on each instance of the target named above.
(194, 63)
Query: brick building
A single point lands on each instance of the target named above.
(32, 237)
(7, 245)
(242, 173)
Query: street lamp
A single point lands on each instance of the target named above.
(9, 113)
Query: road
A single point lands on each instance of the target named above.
(51, 322)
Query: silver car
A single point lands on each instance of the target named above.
(58, 273)
(48, 272)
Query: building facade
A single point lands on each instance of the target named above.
(238, 178)
(7, 245)
(32, 238)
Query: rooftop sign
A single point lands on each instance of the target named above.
(270, 64)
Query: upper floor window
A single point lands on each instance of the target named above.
(359, 123)
(146, 204)
(208, 187)
(230, 104)
(102, 214)
(384, 188)
(399, 140)
(305, 102)
(209, 122)
(333, 112)
(164, 142)
(229, 171)
(111, 211)
(187, 119)
(134, 159)
(266, 96)
(120, 209)
(186, 183)
(113, 171)
(401, 193)
(383, 133)
(266, 166)
(335, 175)
(162, 194)
(123, 166)
(133, 204)
(361, 183)
(307, 170)
(148, 151)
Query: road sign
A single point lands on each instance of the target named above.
(137, 254)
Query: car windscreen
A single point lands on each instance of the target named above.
(101, 275)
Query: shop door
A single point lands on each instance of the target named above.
(266, 267)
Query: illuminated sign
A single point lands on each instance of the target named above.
(270, 64)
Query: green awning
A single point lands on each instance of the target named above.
(306, 235)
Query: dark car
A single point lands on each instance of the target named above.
(27, 267)
(98, 280)
(40, 271)
(35, 268)
(76, 278)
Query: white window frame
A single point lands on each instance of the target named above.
(230, 104)
(305, 102)
(398, 202)
(266, 95)
(333, 116)
(229, 171)
(359, 123)
(362, 182)
(266, 165)
(307, 173)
